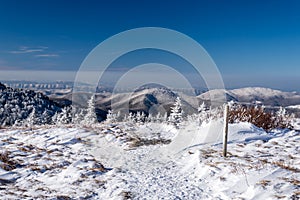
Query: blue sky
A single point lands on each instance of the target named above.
(253, 43)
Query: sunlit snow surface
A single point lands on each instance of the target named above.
(149, 161)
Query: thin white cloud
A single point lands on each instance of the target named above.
(46, 55)
(25, 49)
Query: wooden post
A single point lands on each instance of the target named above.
(225, 130)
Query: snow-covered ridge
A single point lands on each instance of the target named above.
(294, 107)
(17, 104)
(62, 91)
(260, 95)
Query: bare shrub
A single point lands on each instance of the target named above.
(258, 116)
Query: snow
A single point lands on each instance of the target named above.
(149, 161)
(16, 105)
(294, 107)
(258, 95)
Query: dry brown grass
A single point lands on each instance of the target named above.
(127, 195)
(240, 145)
(280, 164)
(283, 165)
(7, 163)
(264, 183)
(214, 165)
(63, 197)
(294, 181)
(279, 196)
(207, 153)
(137, 142)
(297, 193)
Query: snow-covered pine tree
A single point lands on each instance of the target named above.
(165, 117)
(18, 123)
(158, 118)
(46, 117)
(282, 118)
(203, 113)
(78, 115)
(140, 117)
(31, 119)
(111, 117)
(202, 107)
(175, 117)
(54, 118)
(149, 118)
(90, 117)
(64, 117)
(118, 116)
(131, 117)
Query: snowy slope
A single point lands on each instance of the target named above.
(147, 161)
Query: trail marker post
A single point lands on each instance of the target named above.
(225, 130)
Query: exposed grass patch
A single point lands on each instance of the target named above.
(297, 193)
(279, 196)
(264, 183)
(6, 162)
(63, 197)
(137, 142)
(127, 195)
(283, 165)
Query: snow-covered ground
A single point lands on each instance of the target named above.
(149, 161)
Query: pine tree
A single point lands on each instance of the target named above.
(149, 119)
(131, 117)
(202, 108)
(282, 118)
(18, 123)
(78, 115)
(46, 117)
(54, 118)
(64, 117)
(175, 117)
(31, 119)
(140, 117)
(111, 117)
(203, 113)
(165, 117)
(90, 117)
(158, 117)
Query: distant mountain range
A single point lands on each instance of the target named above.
(161, 99)
(257, 95)
(150, 99)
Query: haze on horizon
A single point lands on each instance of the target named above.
(253, 43)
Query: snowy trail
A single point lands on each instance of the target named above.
(145, 172)
(146, 178)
